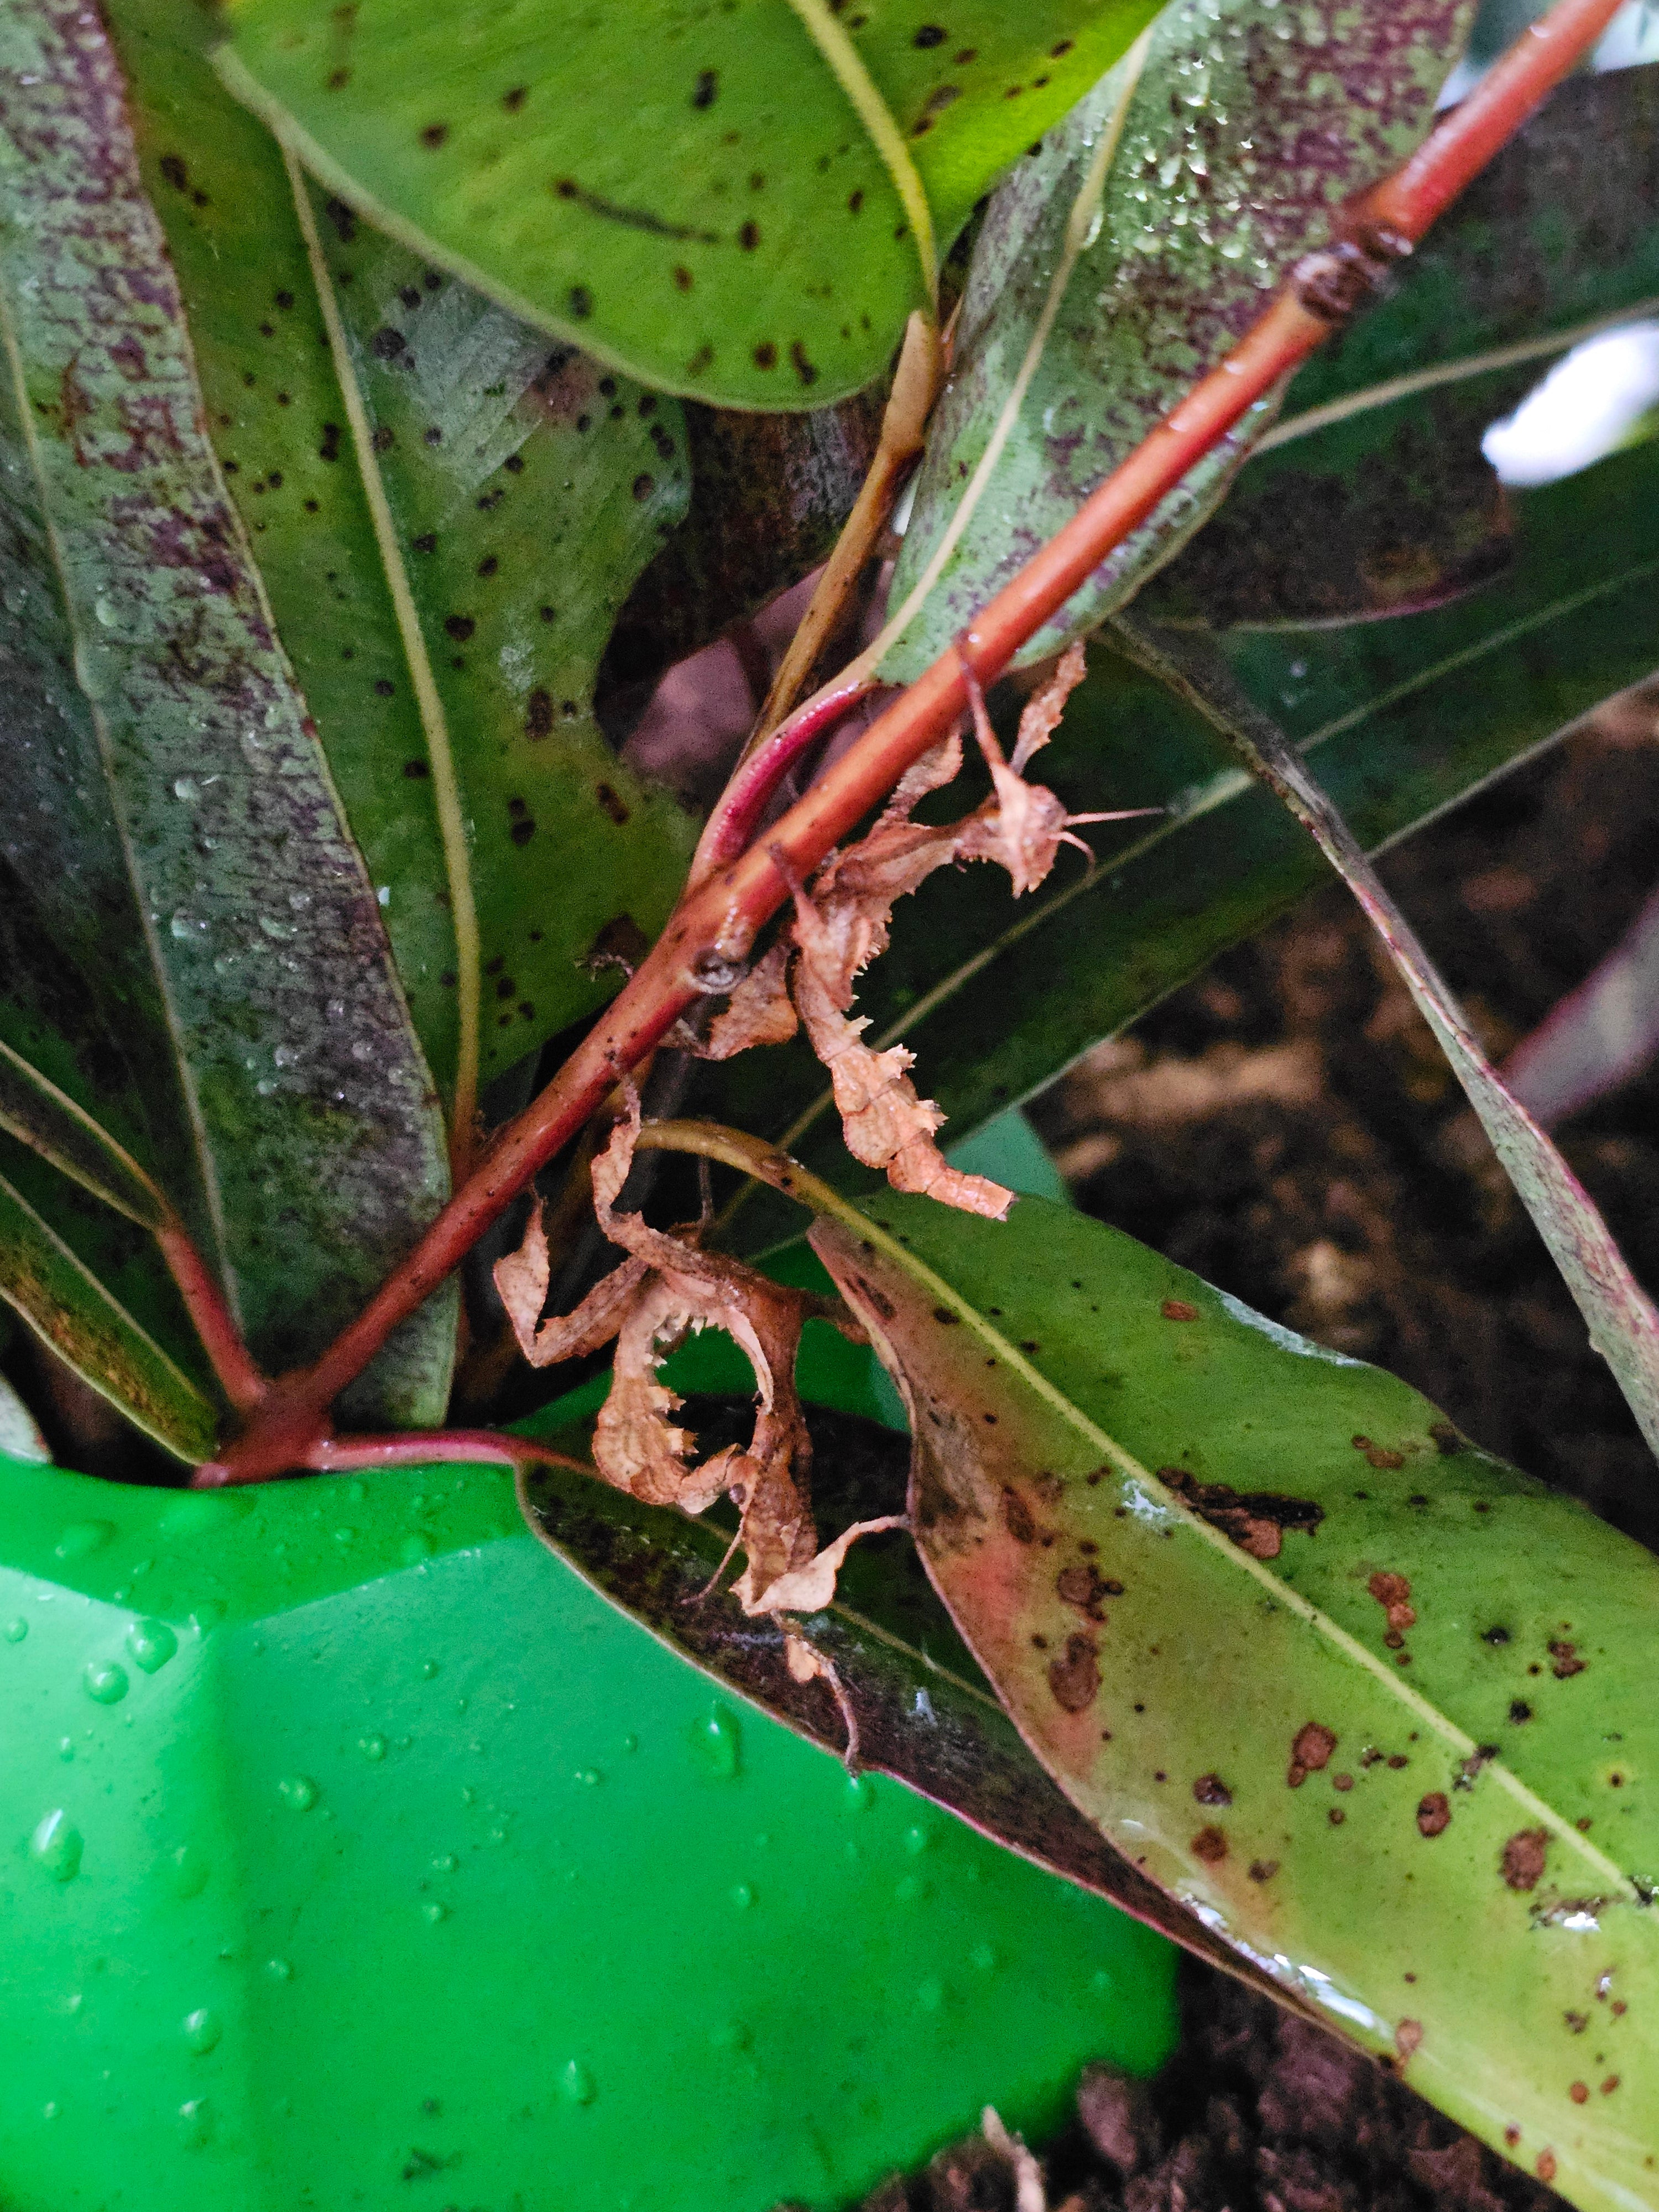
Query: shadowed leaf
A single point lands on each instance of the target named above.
(49, 1122)
(1370, 495)
(640, 184)
(1363, 1697)
(72, 1312)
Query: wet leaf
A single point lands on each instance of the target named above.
(49, 1122)
(639, 185)
(66, 1306)
(1399, 719)
(1370, 495)
(1124, 260)
(1432, 1831)
(525, 491)
(1622, 1320)
(155, 723)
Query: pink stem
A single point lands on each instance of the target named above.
(414, 1448)
(730, 828)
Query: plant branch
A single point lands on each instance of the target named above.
(708, 938)
(415, 1448)
(211, 1317)
(904, 434)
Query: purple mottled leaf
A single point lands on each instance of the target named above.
(172, 822)
(1248, 127)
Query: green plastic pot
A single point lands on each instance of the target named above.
(357, 1853)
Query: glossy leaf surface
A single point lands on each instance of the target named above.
(170, 805)
(743, 203)
(1228, 157)
(1367, 1699)
(525, 489)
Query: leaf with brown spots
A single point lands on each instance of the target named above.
(719, 240)
(508, 467)
(1242, 1674)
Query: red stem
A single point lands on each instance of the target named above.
(411, 1448)
(214, 1322)
(730, 828)
(715, 923)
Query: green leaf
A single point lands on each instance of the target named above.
(1370, 495)
(1399, 719)
(1124, 261)
(1370, 1702)
(42, 1280)
(457, 645)
(740, 202)
(20, 1432)
(156, 724)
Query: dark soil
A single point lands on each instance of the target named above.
(1286, 1126)
(1257, 2109)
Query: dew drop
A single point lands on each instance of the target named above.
(56, 1845)
(195, 2123)
(414, 1548)
(186, 787)
(576, 2084)
(15, 1630)
(105, 1682)
(742, 1896)
(152, 1644)
(732, 2035)
(983, 1957)
(201, 2030)
(373, 1748)
(930, 1997)
(280, 933)
(298, 1791)
(82, 1538)
(718, 1740)
(279, 1970)
(104, 610)
(446, 1862)
(188, 1868)
(433, 1912)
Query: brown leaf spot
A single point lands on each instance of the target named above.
(1524, 1857)
(1579, 2093)
(1567, 1661)
(538, 714)
(1211, 1789)
(1545, 2169)
(1310, 1752)
(1082, 1587)
(1210, 1845)
(1263, 1869)
(1017, 1517)
(1075, 1679)
(1609, 2084)
(1393, 1593)
(612, 806)
(1255, 1520)
(1434, 1814)
(1406, 2037)
(1178, 1309)
(434, 136)
(1376, 1455)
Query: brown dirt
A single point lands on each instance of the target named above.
(1257, 2112)
(1286, 1126)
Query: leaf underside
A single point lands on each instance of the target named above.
(158, 723)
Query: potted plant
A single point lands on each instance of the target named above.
(399, 930)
